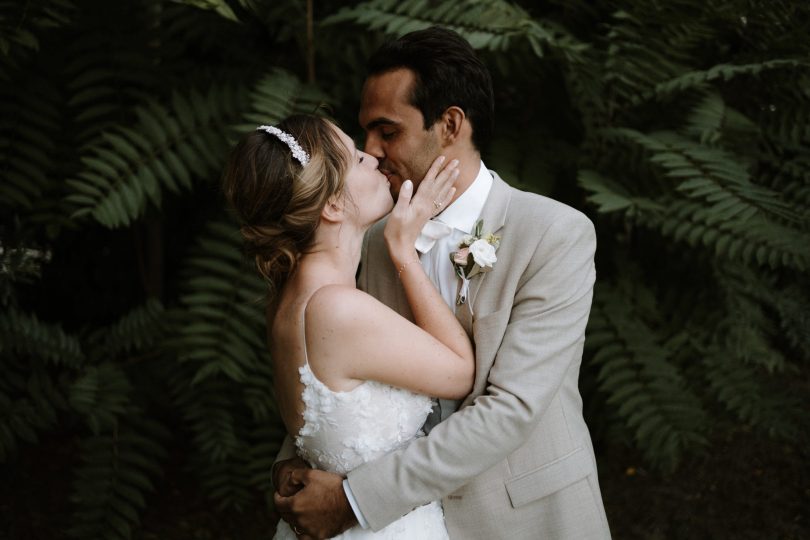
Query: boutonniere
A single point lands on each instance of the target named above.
(476, 254)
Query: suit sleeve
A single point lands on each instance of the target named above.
(542, 341)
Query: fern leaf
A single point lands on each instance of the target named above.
(743, 391)
(709, 174)
(224, 323)
(644, 386)
(22, 23)
(486, 24)
(30, 398)
(101, 396)
(610, 196)
(139, 329)
(753, 241)
(719, 72)
(165, 150)
(25, 335)
(117, 470)
(29, 122)
(219, 6)
(279, 94)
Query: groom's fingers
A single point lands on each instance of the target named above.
(289, 482)
(300, 478)
(286, 502)
(320, 509)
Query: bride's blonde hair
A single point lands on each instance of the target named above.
(278, 200)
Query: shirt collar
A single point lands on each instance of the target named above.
(464, 211)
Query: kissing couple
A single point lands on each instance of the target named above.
(467, 321)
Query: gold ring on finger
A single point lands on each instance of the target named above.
(437, 205)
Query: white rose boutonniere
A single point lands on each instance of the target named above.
(476, 254)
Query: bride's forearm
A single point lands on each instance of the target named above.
(430, 311)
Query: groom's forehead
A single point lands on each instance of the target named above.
(393, 87)
(386, 100)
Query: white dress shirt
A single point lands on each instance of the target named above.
(461, 216)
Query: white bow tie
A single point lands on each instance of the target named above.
(432, 231)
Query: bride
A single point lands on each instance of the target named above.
(352, 377)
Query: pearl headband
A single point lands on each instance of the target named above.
(297, 152)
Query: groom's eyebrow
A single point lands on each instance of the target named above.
(380, 122)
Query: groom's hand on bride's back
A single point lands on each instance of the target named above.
(320, 509)
(283, 476)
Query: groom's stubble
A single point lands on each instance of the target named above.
(395, 130)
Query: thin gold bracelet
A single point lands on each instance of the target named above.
(401, 268)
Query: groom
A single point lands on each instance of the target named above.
(515, 459)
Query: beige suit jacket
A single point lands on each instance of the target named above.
(516, 460)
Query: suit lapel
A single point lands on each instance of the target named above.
(494, 216)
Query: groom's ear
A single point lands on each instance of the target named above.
(451, 125)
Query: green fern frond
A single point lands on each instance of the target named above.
(101, 396)
(643, 385)
(211, 412)
(761, 312)
(218, 422)
(29, 400)
(117, 471)
(220, 7)
(259, 394)
(720, 72)
(787, 124)
(794, 319)
(106, 76)
(22, 334)
(166, 149)
(631, 64)
(709, 174)
(265, 442)
(753, 241)
(791, 177)
(139, 329)
(743, 391)
(610, 196)
(487, 24)
(224, 323)
(29, 123)
(228, 483)
(279, 94)
(22, 23)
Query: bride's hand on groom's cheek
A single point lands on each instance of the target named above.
(283, 479)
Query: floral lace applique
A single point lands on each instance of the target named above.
(342, 430)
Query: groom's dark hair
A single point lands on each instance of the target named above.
(447, 72)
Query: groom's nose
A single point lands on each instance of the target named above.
(373, 146)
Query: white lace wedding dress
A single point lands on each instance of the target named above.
(345, 429)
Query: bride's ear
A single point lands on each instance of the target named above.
(334, 209)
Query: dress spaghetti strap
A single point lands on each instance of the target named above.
(304, 330)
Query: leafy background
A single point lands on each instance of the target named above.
(135, 397)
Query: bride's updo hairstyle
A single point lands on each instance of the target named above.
(277, 199)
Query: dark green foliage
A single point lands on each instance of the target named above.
(132, 166)
(682, 128)
(117, 472)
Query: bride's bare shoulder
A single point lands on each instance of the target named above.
(343, 306)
